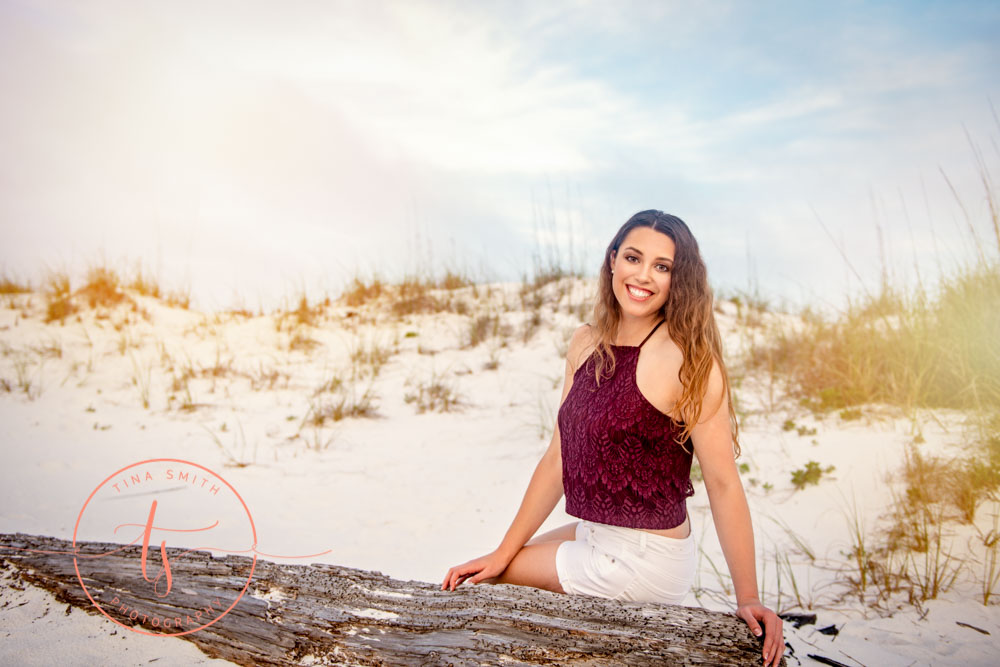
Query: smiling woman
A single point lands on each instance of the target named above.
(645, 391)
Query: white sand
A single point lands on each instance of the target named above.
(36, 629)
(412, 494)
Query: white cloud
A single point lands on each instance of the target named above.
(345, 121)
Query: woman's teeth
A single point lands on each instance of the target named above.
(638, 293)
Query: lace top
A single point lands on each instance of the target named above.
(620, 463)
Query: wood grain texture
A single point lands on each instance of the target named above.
(326, 614)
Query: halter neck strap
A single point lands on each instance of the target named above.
(651, 332)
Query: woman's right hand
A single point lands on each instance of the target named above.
(475, 570)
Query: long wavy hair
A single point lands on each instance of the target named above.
(687, 311)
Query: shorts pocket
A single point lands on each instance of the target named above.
(609, 574)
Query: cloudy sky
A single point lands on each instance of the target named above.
(251, 150)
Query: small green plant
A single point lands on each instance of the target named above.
(810, 474)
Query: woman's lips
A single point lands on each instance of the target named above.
(638, 293)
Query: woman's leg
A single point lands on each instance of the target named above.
(560, 534)
(535, 564)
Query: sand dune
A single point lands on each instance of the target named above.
(403, 443)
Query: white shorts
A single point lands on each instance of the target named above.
(626, 564)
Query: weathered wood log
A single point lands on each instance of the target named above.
(326, 614)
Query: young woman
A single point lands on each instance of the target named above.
(645, 388)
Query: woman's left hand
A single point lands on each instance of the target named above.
(755, 614)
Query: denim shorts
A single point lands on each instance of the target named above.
(626, 564)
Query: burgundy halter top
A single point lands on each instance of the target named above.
(620, 463)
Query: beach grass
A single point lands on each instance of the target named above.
(919, 348)
(11, 285)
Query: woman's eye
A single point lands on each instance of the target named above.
(663, 267)
(630, 258)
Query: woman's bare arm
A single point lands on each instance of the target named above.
(546, 485)
(543, 493)
(713, 445)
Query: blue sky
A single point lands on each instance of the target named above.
(251, 150)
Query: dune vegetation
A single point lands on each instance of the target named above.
(918, 349)
(927, 347)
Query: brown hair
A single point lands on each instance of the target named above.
(687, 311)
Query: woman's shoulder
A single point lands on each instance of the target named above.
(663, 347)
(662, 353)
(581, 345)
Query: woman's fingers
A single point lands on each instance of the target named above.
(449, 579)
(773, 646)
(457, 575)
(477, 569)
(775, 638)
(455, 579)
(774, 642)
(751, 622)
(754, 626)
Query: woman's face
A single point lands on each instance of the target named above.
(642, 268)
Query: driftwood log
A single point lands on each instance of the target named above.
(326, 614)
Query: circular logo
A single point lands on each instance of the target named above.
(162, 503)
